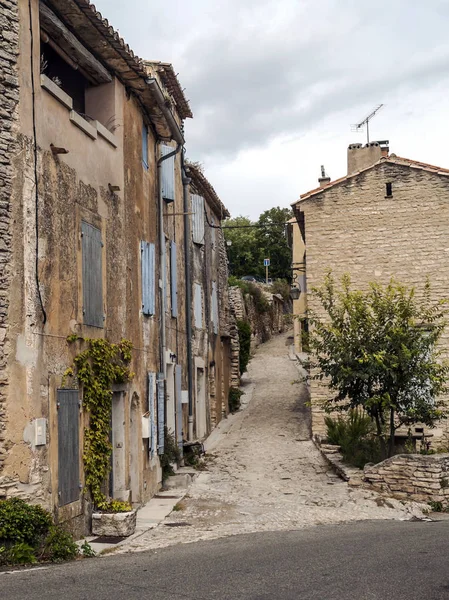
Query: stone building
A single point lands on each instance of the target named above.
(93, 238)
(388, 217)
(210, 313)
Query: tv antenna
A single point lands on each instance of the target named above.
(366, 120)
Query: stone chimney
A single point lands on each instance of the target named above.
(324, 179)
(361, 157)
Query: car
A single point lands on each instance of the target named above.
(249, 278)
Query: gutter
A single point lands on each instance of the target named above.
(161, 102)
(163, 257)
(185, 185)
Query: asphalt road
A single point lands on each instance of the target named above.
(362, 561)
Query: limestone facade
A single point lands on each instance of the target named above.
(355, 226)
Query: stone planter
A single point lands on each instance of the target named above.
(114, 524)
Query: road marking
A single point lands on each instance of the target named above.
(24, 570)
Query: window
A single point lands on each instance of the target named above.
(214, 305)
(92, 259)
(198, 219)
(145, 146)
(147, 252)
(168, 174)
(388, 190)
(198, 306)
(71, 81)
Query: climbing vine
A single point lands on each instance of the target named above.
(97, 368)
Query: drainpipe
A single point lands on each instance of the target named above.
(163, 257)
(185, 184)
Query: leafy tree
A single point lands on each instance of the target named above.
(272, 242)
(378, 350)
(243, 252)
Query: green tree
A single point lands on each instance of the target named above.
(272, 243)
(378, 350)
(243, 252)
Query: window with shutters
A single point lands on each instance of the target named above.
(145, 146)
(68, 446)
(198, 219)
(92, 268)
(198, 306)
(173, 280)
(168, 174)
(147, 252)
(214, 305)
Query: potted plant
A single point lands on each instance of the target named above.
(114, 518)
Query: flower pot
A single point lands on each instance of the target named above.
(122, 524)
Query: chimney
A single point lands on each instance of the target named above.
(361, 157)
(324, 179)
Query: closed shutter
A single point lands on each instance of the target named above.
(92, 257)
(173, 280)
(160, 413)
(178, 395)
(198, 219)
(68, 446)
(214, 303)
(198, 306)
(147, 252)
(213, 231)
(152, 410)
(168, 174)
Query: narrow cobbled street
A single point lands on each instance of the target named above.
(264, 473)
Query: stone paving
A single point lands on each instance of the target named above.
(264, 473)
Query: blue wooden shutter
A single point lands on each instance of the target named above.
(147, 252)
(214, 303)
(198, 306)
(145, 146)
(198, 219)
(68, 446)
(151, 410)
(92, 257)
(160, 413)
(178, 396)
(173, 280)
(168, 174)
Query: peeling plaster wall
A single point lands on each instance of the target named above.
(9, 99)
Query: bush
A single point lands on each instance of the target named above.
(355, 436)
(27, 534)
(22, 522)
(261, 303)
(282, 287)
(244, 329)
(234, 399)
(171, 454)
(59, 545)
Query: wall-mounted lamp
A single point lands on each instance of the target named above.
(113, 188)
(295, 293)
(57, 150)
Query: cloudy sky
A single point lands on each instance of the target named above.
(274, 85)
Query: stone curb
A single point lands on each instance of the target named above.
(334, 459)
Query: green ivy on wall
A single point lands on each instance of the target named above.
(97, 368)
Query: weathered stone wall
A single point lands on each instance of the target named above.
(353, 228)
(9, 98)
(263, 326)
(412, 476)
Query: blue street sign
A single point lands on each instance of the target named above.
(266, 262)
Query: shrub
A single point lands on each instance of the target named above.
(234, 399)
(282, 287)
(355, 436)
(171, 454)
(22, 522)
(244, 329)
(20, 554)
(59, 545)
(261, 303)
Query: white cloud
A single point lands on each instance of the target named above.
(275, 84)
